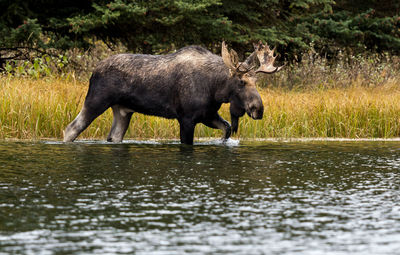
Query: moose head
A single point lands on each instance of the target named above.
(246, 98)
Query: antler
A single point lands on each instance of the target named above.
(228, 58)
(266, 57)
(231, 60)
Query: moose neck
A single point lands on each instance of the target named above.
(225, 91)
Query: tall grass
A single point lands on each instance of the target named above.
(41, 108)
(355, 112)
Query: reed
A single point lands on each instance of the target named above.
(41, 108)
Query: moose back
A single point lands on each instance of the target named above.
(189, 85)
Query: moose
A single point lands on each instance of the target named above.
(189, 85)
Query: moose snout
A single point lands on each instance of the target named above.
(258, 114)
(256, 111)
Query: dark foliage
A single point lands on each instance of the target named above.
(163, 25)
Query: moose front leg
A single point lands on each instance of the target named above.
(218, 122)
(186, 130)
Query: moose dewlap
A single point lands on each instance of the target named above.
(189, 85)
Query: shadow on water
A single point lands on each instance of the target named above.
(211, 198)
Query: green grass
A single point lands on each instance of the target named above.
(41, 108)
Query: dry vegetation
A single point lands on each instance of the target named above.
(41, 108)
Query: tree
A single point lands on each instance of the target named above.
(154, 26)
(163, 25)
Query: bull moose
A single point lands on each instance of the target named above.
(189, 85)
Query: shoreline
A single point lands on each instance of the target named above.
(204, 140)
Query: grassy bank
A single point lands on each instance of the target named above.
(41, 108)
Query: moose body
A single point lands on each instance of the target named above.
(189, 85)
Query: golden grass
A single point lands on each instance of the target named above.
(354, 112)
(41, 108)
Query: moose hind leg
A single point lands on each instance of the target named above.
(121, 119)
(81, 122)
(218, 122)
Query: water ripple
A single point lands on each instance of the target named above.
(164, 198)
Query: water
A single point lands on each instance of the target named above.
(166, 198)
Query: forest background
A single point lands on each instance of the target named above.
(160, 26)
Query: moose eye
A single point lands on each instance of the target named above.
(242, 83)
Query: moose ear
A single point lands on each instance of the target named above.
(234, 58)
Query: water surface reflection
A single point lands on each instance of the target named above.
(166, 198)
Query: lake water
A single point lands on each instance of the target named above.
(210, 198)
